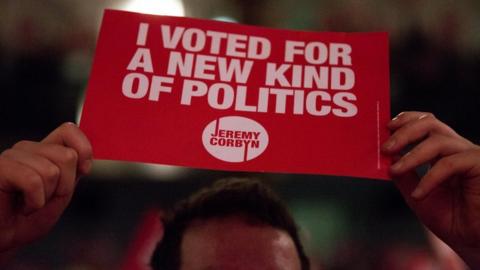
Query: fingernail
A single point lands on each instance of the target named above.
(389, 144)
(87, 166)
(397, 166)
(398, 115)
(422, 116)
(70, 123)
(417, 193)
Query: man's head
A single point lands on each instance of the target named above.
(235, 224)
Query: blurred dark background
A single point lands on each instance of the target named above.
(46, 51)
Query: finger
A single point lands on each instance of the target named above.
(405, 117)
(71, 136)
(406, 183)
(49, 172)
(462, 163)
(414, 131)
(427, 151)
(16, 177)
(66, 159)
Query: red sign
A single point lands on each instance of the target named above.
(226, 96)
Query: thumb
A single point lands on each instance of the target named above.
(70, 135)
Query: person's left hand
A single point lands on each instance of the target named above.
(447, 198)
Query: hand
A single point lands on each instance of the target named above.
(447, 198)
(37, 181)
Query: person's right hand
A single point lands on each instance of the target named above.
(37, 181)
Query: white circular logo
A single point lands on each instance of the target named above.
(235, 139)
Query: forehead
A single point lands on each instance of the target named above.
(232, 244)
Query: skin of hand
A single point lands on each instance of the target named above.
(37, 181)
(447, 198)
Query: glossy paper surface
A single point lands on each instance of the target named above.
(226, 96)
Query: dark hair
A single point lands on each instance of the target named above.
(228, 197)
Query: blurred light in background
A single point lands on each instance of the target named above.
(225, 19)
(114, 170)
(158, 7)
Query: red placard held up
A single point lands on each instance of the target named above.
(226, 96)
